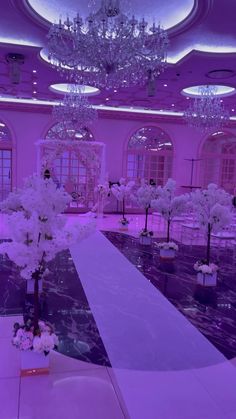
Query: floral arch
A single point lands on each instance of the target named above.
(218, 161)
(5, 161)
(74, 162)
(149, 156)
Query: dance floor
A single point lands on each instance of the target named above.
(141, 339)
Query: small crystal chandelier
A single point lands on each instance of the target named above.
(108, 49)
(74, 113)
(207, 111)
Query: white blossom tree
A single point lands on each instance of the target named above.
(122, 192)
(38, 230)
(169, 205)
(144, 197)
(212, 210)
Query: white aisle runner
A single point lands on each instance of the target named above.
(164, 367)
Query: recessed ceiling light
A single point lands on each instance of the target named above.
(172, 104)
(221, 90)
(187, 97)
(34, 71)
(34, 92)
(232, 110)
(115, 91)
(221, 100)
(34, 82)
(165, 85)
(63, 88)
(107, 98)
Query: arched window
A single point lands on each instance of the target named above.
(5, 161)
(59, 131)
(70, 171)
(219, 161)
(149, 156)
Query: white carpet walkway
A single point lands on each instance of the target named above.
(164, 367)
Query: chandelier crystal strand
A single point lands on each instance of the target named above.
(108, 49)
(74, 113)
(206, 112)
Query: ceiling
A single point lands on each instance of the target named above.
(202, 49)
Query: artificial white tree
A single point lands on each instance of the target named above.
(144, 197)
(212, 208)
(122, 192)
(38, 230)
(168, 204)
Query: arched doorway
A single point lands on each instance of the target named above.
(71, 168)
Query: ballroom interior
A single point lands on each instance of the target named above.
(117, 209)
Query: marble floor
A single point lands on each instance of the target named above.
(132, 335)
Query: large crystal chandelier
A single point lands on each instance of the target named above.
(207, 111)
(108, 49)
(74, 113)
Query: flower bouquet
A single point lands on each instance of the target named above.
(34, 346)
(167, 249)
(206, 273)
(145, 237)
(124, 223)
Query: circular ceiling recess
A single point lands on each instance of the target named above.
(63, 88)
(221, 90)
(162, 11)
(221, 74)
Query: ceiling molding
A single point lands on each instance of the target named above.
(199, 11)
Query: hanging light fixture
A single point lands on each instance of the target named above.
(108, 49)
(207, 111)
(74, 113)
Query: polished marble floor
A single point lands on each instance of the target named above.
(129, 310)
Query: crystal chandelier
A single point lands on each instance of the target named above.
(108, 49)
(207, 111)
(74, 113)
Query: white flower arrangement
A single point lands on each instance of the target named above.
(124, 221)
(102, 189)
(146, 233)
(144, 196)
(122, 190)
(169, 205)
(38, 230)
(213, 210)
(201, 266)
(168, 246)
(213, 207)
(43, 342)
